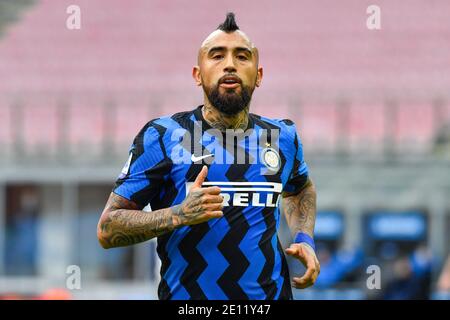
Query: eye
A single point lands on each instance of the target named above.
(217, 57)
(242, 57)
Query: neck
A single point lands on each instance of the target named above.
(219, 120)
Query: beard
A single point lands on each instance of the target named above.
(230, 102)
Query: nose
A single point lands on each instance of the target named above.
(229, 64)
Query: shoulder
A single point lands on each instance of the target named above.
(152, 134)
(159, 126)
(286, 126)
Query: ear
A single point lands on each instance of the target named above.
(259, 76)
(196, 75)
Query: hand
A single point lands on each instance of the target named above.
(201, 204)
(307, 256)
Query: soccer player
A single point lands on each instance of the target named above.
(214, 178)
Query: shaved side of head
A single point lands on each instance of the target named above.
(228, 69)
(228, 26)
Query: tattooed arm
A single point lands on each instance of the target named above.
(300, 212)
(300, 209)
(123, 223)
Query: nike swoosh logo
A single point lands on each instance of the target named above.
(195, 159)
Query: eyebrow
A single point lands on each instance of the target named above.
(244, 49)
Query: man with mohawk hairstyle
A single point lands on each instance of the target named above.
(216, 221)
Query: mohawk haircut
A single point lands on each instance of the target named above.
(229, 25)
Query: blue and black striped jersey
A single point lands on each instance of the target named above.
(237, 256)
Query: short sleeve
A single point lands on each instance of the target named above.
(143, 175)
(299, 173)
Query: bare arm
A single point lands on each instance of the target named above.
(123, 223)
(300, 209)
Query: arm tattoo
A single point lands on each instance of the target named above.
(123, 222)
(300, 209)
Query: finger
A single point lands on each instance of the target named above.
(309, 276)
(211, 190)
(306, 249)
(306, 254)
(209, 198)
(316, 274)
(201, 177)
(213, 207)
(299, 284)
(307, 280)
(292, 251)
(215, 214)
(208, 215)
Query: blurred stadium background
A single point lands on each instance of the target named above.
(372, 108)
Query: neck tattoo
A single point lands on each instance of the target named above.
(218, 120)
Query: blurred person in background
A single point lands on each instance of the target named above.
(442, 140)
(21, 235)
(411, 276)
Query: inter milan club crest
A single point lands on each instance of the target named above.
(271, 159)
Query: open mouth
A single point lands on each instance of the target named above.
(230, 82)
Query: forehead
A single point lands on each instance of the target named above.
(228, 40)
